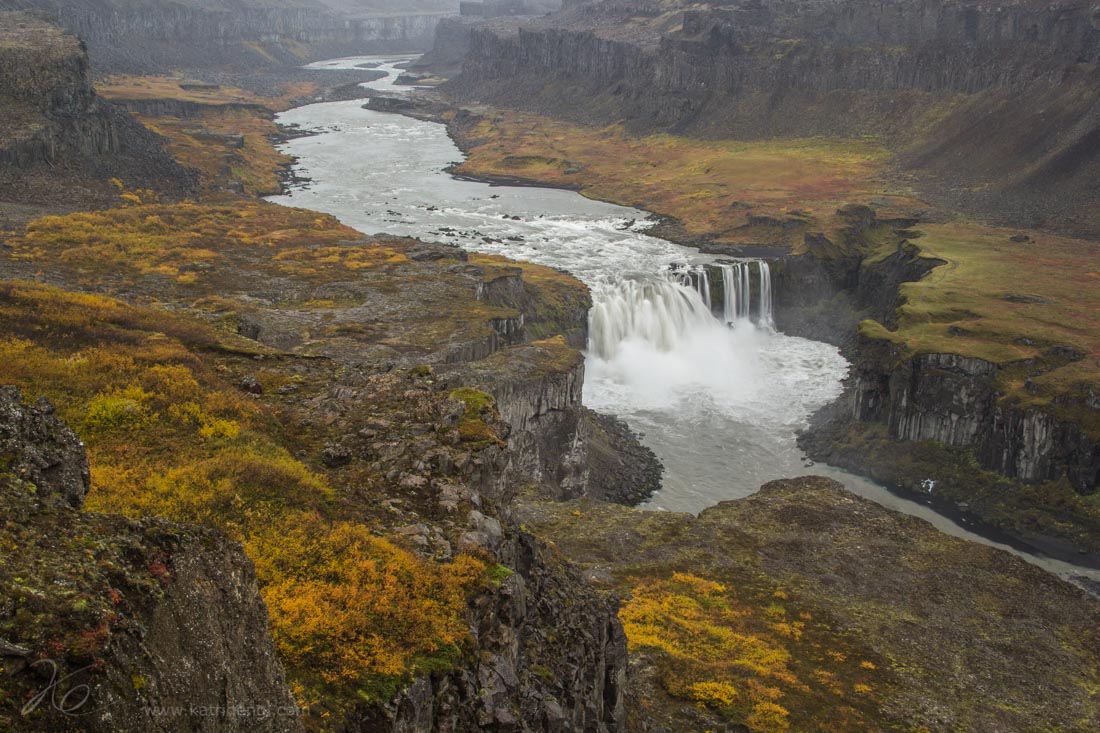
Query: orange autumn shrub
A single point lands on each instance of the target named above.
(356, 608)
(353, 615)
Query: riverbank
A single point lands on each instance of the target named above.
(1035, 371)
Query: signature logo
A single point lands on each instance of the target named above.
(64, 697)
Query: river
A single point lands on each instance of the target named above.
(719, 403)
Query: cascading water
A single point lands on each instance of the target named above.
(659, 313)
(717, 393)
(663, 312)
(737, 292)
(766, 319)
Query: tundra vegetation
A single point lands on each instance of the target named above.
(169, 434)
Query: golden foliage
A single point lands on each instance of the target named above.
(767, 717)
(172, 240)
(353, 606)
(734, 651)
(166, 436)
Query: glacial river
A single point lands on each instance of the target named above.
(719, 403)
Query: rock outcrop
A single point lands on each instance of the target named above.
(56, 135)
(41, 450)
(110, 624)
(552, 657)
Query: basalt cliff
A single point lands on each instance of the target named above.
(145, 37)
(887, 148)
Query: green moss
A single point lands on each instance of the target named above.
(499, 573)
(476, 400)
(472, 428)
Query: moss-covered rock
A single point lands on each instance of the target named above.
(842, 614)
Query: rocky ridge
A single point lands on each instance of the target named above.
(121, 625)
(58, 140)
(148, 37)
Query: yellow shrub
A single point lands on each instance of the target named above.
(354, 606)
(767, 717)
(123, 409)
(718, 694)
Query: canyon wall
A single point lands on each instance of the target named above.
(921, 76)
(57, 135)
(150, 37)
(551, 657)
(954, 400)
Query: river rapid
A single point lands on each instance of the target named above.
(719, 403)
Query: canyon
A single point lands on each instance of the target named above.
(151, 37)
(262, 388)
(901, 85)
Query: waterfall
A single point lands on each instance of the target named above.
(696, 278)
(704, 287)
(765, 319)
(729, 304)
(657, 312)
(737, 296)
(663, 312)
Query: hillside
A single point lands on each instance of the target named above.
(262, 471)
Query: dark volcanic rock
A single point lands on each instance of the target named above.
(141, 625)
(620, 468)
(41, 450)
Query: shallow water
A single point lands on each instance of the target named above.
(720, 405)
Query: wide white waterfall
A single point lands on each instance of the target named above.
(657, 312)
(662, 312)
(658, 339)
